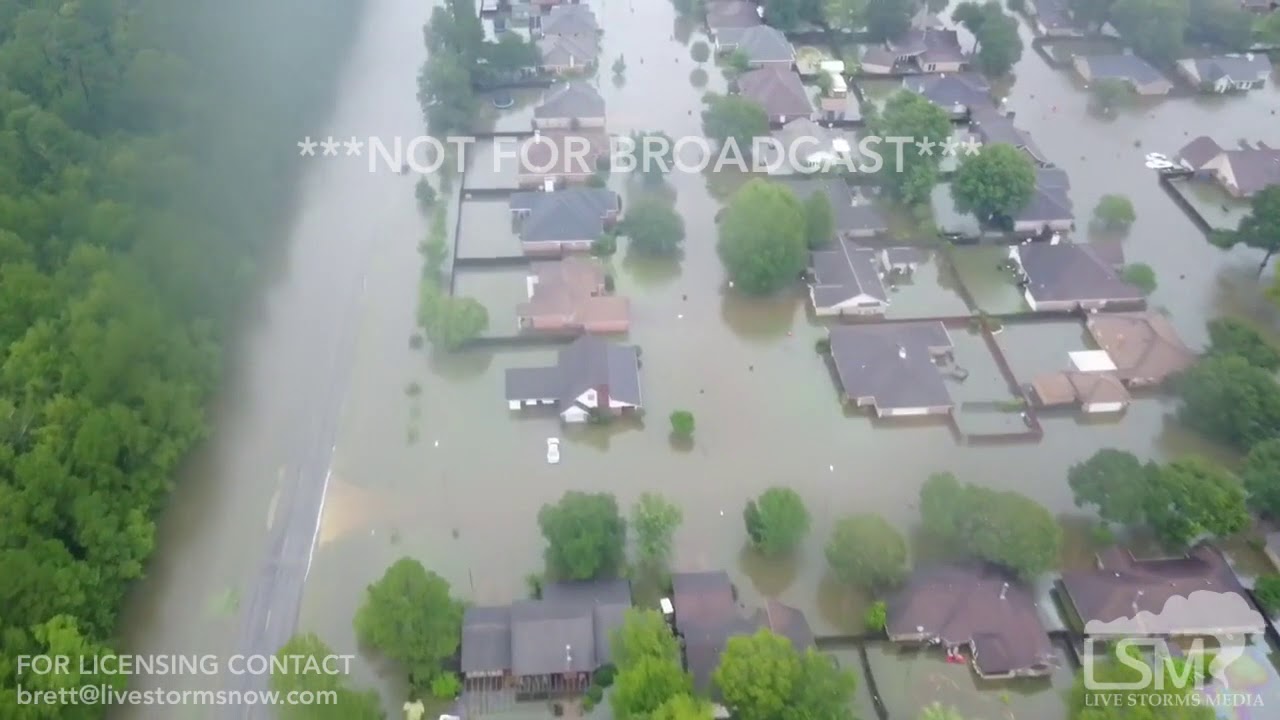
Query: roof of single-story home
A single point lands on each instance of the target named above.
(951, 91)
(586, 363)
(1143, 345)
(761, 44)
(1239, 68)
(892, 363)
(1197, 593)
(570, 19)
(1072, 387)
(1051, 200)
(778, 90)
(564, 215)
(978, 605)
(1122, 66)
(707, 614)
(574, 101)
(1071, 272)
(723, 14)
(563, 152)
(567, 630)
(845, 273)
(853, 211)
(566, 50)
(571, 287)
(1253, 167)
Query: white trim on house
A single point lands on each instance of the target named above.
(1104, 407)
(574, 414)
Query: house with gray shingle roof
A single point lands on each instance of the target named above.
(591, 377)
(919, 50)
(1242, 172)
(890, 368)
(846, 281)
(1052, 18)
(762, 45)
(1225, 73)
(1050, 208)
(805, 147)
(1070, 276)
(728, 17)
(568, 105)
(994, 127)
(563, 220)
(1132, 70)
(549, 645)
(856, 215)
(571, 19)
(568, 53)
(957, 93)
(779, 91)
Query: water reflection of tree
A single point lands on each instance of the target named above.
(460, 365)
(770, 576)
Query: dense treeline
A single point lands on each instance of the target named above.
(147, 148)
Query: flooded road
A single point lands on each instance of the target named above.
(449, 476)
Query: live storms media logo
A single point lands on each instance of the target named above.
(1215, 629)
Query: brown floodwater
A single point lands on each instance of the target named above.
(452, 478)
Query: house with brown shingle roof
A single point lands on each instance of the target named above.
(1197, 594)
(1093, 392)
(779, 91)
(1144, 346)
(570, 294)
(1242, 172)
(978, 608)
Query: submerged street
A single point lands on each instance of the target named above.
(323, 470)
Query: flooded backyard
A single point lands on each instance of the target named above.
(453, 478)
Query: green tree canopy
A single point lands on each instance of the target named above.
(998, 45)
(1154, 28)
(1114, 212)
(867, 552)
(997, 182)
(351, 704)
(762, 677)
(1261, 477)
(655, 156)
(1267, 591)
(938, 711)
(734, 117)
(1091, 13)
(450, 321)
(1260, 229)
(1005, 528)
(648, 659)
(777, 521)
(653, 520)
(1146, 703)
(887, 19)
(1230, 400)
(1141, 276)
(410, 617)
(684, 707)
(586, 537)
(1221, 23)
(820, 221)
(1114, 481)
(909, 115)
(1230, 336)
(644, 633)
(653, 227)
(1109, 94)
(1190, 497)
(845, 14)
(762, 240)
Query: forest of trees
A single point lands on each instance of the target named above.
(148, 148)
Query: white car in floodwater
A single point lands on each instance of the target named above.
(553, 450)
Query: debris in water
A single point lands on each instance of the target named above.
(721, 513)
(437, 444)
(680, 316)
(455, 533)
(832, 468)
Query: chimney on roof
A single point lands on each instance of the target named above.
(1004, 590)
(568, 657)
(902, 352)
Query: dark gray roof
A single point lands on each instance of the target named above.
(891, 363)
(941, 46)
(1071, 272)
(1199, 151)
(724, 14)
(845, 273)
(567, 630)
(964, 89)
(852, 211)
(878, 55)
(1051, 200)
(1250, 68)
(980, 605)
(588, 362)
(571, 19)
(994, 127)
(574, 100)
(486, 639)
(905, 255)
(1122, 67)
(764, 44)
(707, 614)
(778, 90)
(911, 42)
(563, 215)
(1053, 13)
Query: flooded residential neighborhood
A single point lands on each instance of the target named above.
(391, 449)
